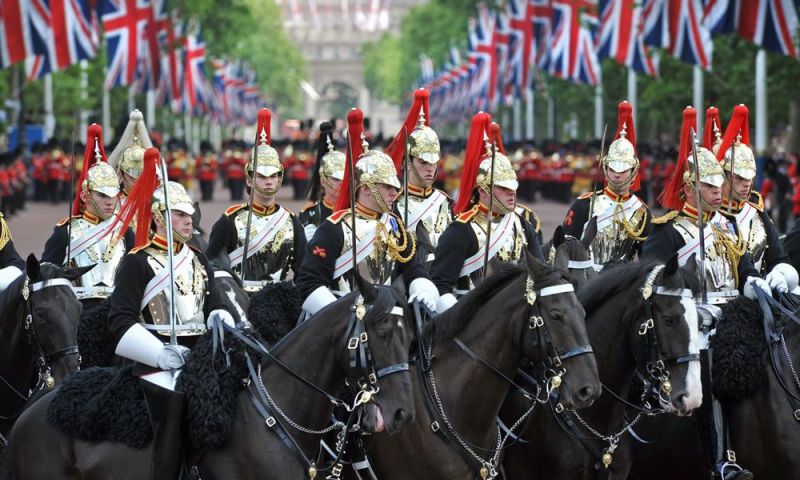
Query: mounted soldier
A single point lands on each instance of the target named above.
(89, 236)
(697, 231)
(166, 296)
(488, 183)
(276, 240)
(623, 219)
(742, 205)
(384, 247)
(127, 158)
(325, 182)
(11, 264)
(426, 211)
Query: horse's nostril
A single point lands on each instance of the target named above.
(401, 417)
(585, 394)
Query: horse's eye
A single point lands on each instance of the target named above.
(555, 315)
(669, 320)
(39, 312)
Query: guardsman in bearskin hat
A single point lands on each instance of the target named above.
(746, 207)
(127, 158)
(206, 166)
(384, 247)
(233, 167)
(694, 194)
(325, 183)
(623, 219)
(276, 238)
(429, 211)
(140, 320)
(11, 265)
(87, 237)
(460, 255)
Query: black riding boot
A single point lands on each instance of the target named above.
(166, 410)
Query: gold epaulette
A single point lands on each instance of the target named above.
(235, 208)
(337, 217)
(589, 194)
(759, 201)
(5, 234)
(465, 217)
(665, 218)
(64, 220)
(308, 206)
(139, 249)
(537, 226)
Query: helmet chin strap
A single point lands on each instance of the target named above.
(422, 182)
(499, 205)
(264, 191)
(378, 198)
(159, 218)
(97, 207)
(621, 185)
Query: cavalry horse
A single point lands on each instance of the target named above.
(521, 312)
(282, 411)
(38, 335)
(642, 324)
(581, 267)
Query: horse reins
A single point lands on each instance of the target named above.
(359, 370)
(655, 374)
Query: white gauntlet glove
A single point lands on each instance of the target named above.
(425, 291)
(755, 282)
(172, 357)
(220, 315)
(782, 278)
(319, 299)
(445, 301)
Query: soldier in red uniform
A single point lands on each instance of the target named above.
(206, 166)
(234, 171)
(23, 180)
(39, 162)
(5, 185)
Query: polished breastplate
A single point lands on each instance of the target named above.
(191, 283)
(721, 282)
(378, 266)
(272, 260)
(433, 221)
(612, 242)
(511, 251)
(103, 254)
(755, 234)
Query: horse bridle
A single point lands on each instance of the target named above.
(43, 359)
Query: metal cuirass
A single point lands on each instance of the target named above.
(612, 242)
(755, 233)
(191, 283)
(105, 256)
(433, 221)
(510, 252)
(272, 261)
(720, 274)
(378, 266)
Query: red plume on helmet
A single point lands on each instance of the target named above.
(712, 120)
(671, 196)
(94, 136)
(496, 137)
(140, 200)
(355, 127)
(396, 148)
(625, 121)
(264, 126)
(472, 160)
(738, 125)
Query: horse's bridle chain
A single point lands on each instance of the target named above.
(489, 467)
(789, 361)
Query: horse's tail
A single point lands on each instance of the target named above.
(6, 472)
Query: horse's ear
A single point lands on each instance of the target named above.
(32, 268)
(561, 262)
(589, 233)
(399, 287)
(672, 265)
(75, 273)
(534, 264)
(368, 290)
(691, 266)
(558, 237)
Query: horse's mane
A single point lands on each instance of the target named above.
(611, 282)
(449, 323)
(574, 247)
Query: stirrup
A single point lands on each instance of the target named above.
(732, 471)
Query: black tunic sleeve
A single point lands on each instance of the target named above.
(456, 244)
(534, 247)
(745, 269)
(319, 260)
(130, 240)
(663, 242)
(775, 253)
(648, 229)
(223, 237)
(414, 268)
(132, 278)
(56, 247)
(576, 218)
(791, 245)
(10, 258)
(300, 242)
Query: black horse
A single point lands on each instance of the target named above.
(315, 357)
(38, 334)
(581, 266)
(637, 315)
(519, 312)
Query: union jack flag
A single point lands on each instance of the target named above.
(148, 71)
(572, 53)
(500, 42)
(16, 43)
(620, 36)
(690, 41)
(197, 94)
(768, 23)
(125, 24)
(169, 85)
(520, 39)
(480, 53)
(655, 29)
(541, 16)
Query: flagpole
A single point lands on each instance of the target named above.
(598, 110)
(151, 109)
(187, 129)
(529, 115)
(633, 94)
(49, 118)
(551, 118)
(517, 119)
(697, 97)
(761, 101)
(109, 133)
(84, 95)
(131, 98)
